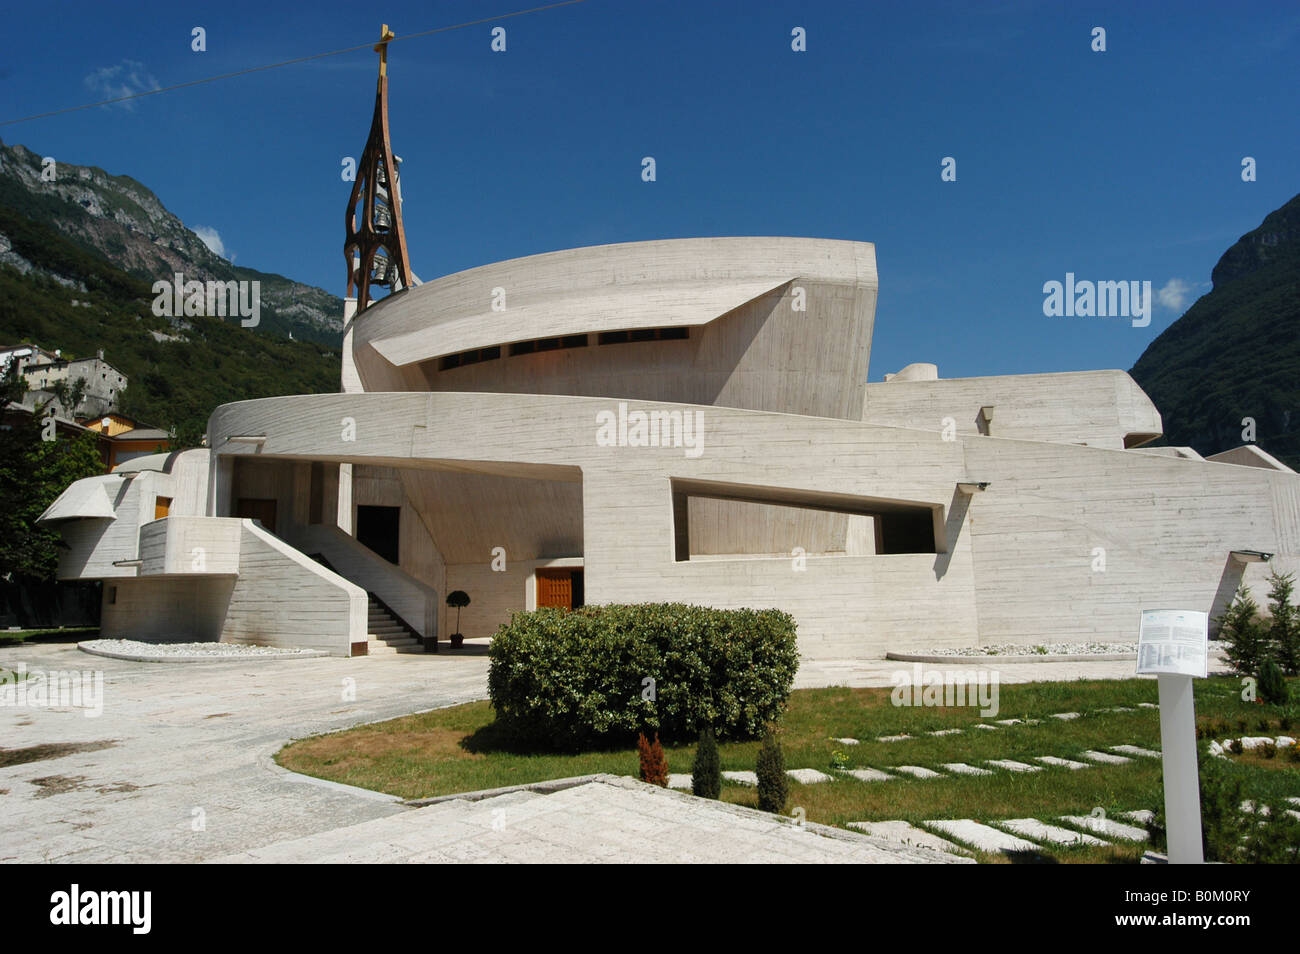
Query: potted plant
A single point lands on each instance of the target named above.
(457, 599)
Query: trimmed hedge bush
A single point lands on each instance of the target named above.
(602, 674)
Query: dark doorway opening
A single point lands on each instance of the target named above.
(379, 529)
(261, 510)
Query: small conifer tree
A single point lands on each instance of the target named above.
(654, 764)
(1239, 628)
(1284, 631)
(773, 786)
(1272, 687)
(706, 773)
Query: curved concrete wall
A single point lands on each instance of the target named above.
(1027, 541)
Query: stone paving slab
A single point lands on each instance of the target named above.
(868, 775)
(846, 741)
(1141, 816)
(908, 834)
(742, 778)
(1135, 750)
(809, 776)
(961, 768)
(1011, 765)
(945, 732)
(1147, 705)
(984, 725)
(982, 837)
(1062, 763)
(916, 771)
(1064, 716)
(893, 738)
(1108, 827)
(680, 780)
(1008, 722)
(1106, 758)
(595, 822)
(1053, 834)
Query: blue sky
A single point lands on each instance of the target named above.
(1122, 165)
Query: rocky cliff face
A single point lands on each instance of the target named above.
(1235, 354)
(125, 222)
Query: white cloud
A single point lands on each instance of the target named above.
(125, 79)
(212, 239)
(1175, 295)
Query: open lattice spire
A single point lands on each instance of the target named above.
(375, 246)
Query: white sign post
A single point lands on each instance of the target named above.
(1174, 645)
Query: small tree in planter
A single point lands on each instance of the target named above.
(706, 773)
(773, 786)
(457, 599)
(654, 764)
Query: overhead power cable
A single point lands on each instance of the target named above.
(299, 59)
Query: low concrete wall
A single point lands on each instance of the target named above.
(189, 546)
(166, 609)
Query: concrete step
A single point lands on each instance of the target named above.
(395, 641)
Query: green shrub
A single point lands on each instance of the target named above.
(601, 674)
(1247, 642)
(706, 772)
(1272, 685)
(1284, 630)
(654, 764)
(773, 786)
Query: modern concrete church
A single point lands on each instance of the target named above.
(684, 420)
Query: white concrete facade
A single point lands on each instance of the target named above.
(496, 418)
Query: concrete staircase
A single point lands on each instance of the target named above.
(386, 634)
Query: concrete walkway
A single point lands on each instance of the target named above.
(190, 745)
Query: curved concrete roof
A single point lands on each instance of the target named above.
(656, 284)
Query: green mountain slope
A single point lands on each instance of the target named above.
(125, 223)
(58, 294)
(1236, 352)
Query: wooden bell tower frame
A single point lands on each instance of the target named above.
(376, 188)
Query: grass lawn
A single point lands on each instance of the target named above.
(70, 632)
(460, 749)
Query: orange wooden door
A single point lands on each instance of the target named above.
(555, 588)
(161, 505)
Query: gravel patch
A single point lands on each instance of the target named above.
(1040, 649)
(187, 652)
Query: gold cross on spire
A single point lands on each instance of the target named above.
(381, 48)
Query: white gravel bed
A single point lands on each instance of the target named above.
(1043, 649)
(186, 652)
